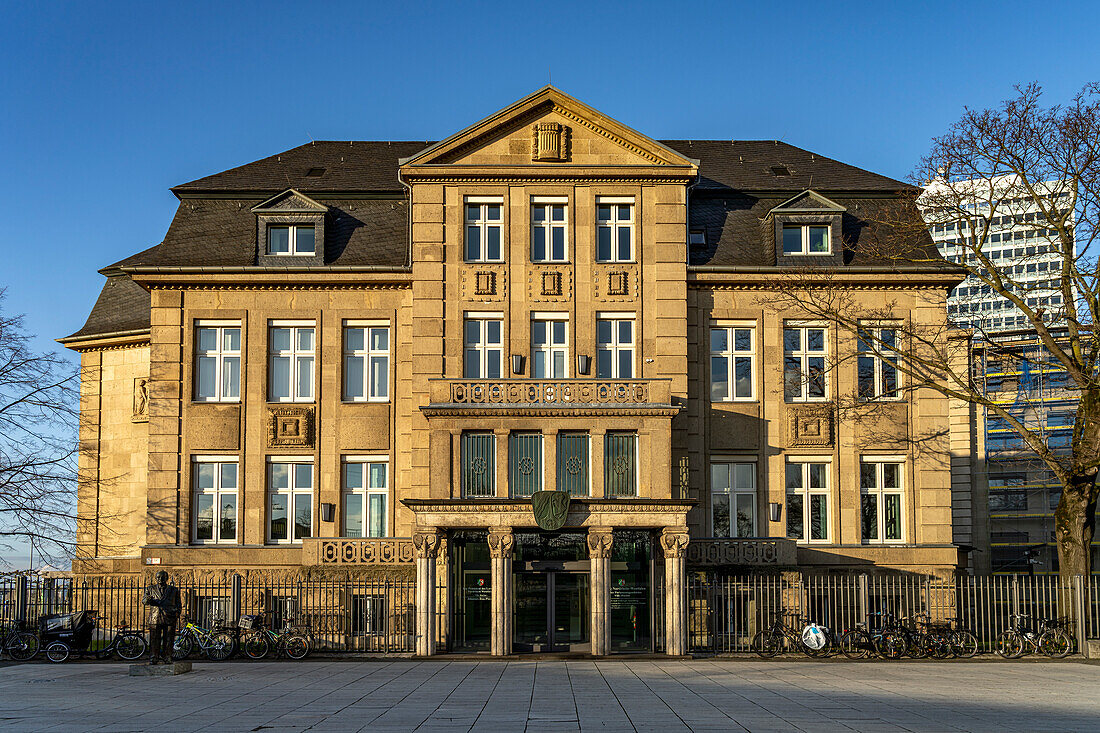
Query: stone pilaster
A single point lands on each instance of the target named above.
(599, 553)
(426, 545)
(674, 542)
(500, 553)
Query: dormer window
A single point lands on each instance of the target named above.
(291, 240)
(806, 239)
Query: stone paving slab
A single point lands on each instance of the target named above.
(552, 696)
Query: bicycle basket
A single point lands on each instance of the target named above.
(247, 622)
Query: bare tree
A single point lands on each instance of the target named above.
(978, 178)
(39, 412)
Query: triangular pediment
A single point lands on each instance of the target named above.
(549, 129)
(289, 202)
(808, 201)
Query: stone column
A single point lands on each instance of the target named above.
(599, 553)
(674, 542)
(443, 568)
(426, 545)
(500, 552)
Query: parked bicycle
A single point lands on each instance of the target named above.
(810, 638)
(886, 638)
(927, 638)
(18, 643)
(964, 642)
(127, 644)
(216, 645)
(1050, 638)
(257, 641)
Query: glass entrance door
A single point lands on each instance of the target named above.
(551, 611)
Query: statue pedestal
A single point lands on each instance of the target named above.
(159, 670)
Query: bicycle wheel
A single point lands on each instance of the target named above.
(939, 647)
(221, 647)
(22, 646)
(855, 645)
(57, 651)
(891, 645)
(130, 646)
(766, 644)
(964, 643)
(182, 647)
(918, 646)
(1010, 645)
(297, 646)
(254, 645)
(1055, 643)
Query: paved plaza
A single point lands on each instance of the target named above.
(498, 696)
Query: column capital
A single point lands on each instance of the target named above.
(674, 541)
(426, 542)
(501, 541)
(600, 540)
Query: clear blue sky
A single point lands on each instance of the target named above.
(106, 105)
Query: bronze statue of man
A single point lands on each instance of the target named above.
(163, 601)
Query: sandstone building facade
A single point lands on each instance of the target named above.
(357, 357)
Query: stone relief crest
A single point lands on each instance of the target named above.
(550, 509)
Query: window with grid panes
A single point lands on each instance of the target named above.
(366, 493)
(731, 363)
(484, 231)
(217, 363)
(524, 464)
(549, 231)
(733, 499)
(366, 363)
(290, 511)
(614, 231)
(615, 348)
(483, 353)
(876, 365)
(290, 363)
(291, 240)
(880, 501)
(804, 352)
(621, 463)
(808, 501)
(549, 348)
(215, 500)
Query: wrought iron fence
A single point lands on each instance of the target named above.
(725, 611)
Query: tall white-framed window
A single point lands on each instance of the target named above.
(549, 345)
(876, 365)
(484, 346)
(615, 346)
(217, 361)
(484, 229)
(549, 229)
(614, 229)
(290, 365)
(366, 361)
(291, 239)
(290, 502)
(881, 500)
(366, 496)
(215, 487)
(808, 500)
(805, 348)
(732, 363)
(733, 498)
(806, 239)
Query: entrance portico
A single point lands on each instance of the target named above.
(543, 581)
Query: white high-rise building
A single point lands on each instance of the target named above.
(1016, 238)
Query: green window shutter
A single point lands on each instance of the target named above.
(479, 466)
(573, 463)
(524, 463)
(621, 464)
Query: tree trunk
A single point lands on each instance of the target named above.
(1075, 525)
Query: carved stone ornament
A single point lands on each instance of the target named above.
(809, 426)
(141, 400)
(618, 283)
(549, 142)
(500, 545)
(551, 283)
(485, 283)
(550, 509)
(369, 551)
(290, 427)
(426, 544)
(599, 543)
(674, 544)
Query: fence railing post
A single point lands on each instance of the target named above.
(22, 599)
(1080, 588)
(1015, 594)
(235, 601)
(864, 598)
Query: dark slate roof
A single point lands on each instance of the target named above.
(348, 166)
(123, 305)
(222, 232)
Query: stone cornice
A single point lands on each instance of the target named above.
(535, 410)
(759, 278)
(107, 342)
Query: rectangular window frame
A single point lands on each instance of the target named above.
(221, 356)
(292, 240)
(296, 355)
(524, 446)
(731, 490)
(804, 355)
(552, 348)
(293, 492)
(483, 224)
(805, 492)
(369, 355)
(548, 226)
(483, 348)
(872, 356)
(611, 467)
(581, 486)
(733, 358)
(879, 491)
(489, 470)
(805, 251)
(218, 491)
(615, 348)
(363, 494)
(615, 225)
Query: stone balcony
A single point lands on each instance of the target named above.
(764, 551)
(357, 551)
(550, 396)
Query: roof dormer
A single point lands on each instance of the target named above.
(290, 230)
(808, 231)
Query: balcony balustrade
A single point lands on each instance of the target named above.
(554, 393)
(355, 551)
(749, 551)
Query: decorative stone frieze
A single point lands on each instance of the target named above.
(367, 551)
(532, 391)
(741, 552)
(549, 142)
(809, 425)
(615, 282)
(291, 427)
(485, 283)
